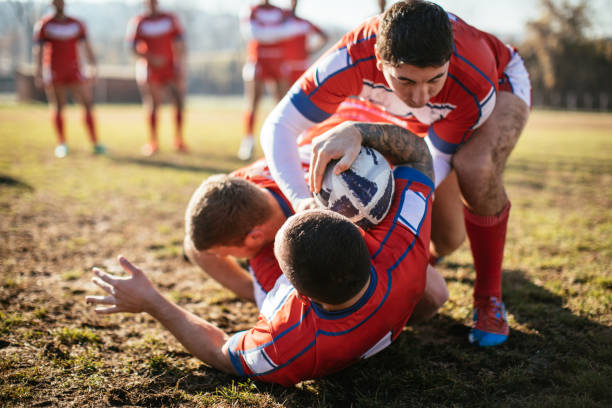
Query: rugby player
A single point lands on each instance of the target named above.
(157, 39)
(463, 89)
(58, 69)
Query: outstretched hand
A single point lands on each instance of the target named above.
(342, 142)
(133, 294)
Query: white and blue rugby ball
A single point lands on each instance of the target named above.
(363, 193)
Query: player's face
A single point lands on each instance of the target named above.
(237, 251)
(415, 86)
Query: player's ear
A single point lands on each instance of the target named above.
(255, 237)
(378, 59)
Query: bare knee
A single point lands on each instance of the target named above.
(445, 244)
(434, 296)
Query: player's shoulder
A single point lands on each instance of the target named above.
(474, 60)
(413, 179)
(363, 32)
(44, 20)
(138, 18)
(70, 19)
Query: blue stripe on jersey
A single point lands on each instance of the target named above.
(304, 105)
(464, 59)
(375, 86)
(339, 314)
(441, 145)
(234, 356)
(283, 204)
(348, 65)
(279, 304)
(412, 174)
(465, 88)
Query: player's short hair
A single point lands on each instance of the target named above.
(323, 255)
(223, 210)
(415, 32)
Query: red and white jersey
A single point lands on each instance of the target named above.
(156, 34)
(296, 339)
(464, 103)
(296, 45)
(262, 26)
(59, 39)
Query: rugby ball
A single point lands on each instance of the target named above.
(363, 193)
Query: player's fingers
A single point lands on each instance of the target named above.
(318, 170)
(127, 266)
(104, 286)
(346, 161)
(105, 276)
(101, 300)
(107, 310)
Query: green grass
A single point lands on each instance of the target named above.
(59, 218)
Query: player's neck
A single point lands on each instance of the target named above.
(348, 303)
(59, 15)
(276, 220)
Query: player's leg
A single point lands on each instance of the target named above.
(280, 88)
(152, 97)
(82, 92)
(178, 89)
(479, 165)
(253, 91)
(57, 95)
(447, 227)
(434, 296)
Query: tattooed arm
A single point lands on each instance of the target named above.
(398, 145)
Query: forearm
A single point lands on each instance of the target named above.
(279, 144)
(399, 145)
(91, 57)
(226, 271)
(201, 338)
(38, 58)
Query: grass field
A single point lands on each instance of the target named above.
(58, 218)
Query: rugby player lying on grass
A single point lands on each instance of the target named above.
(339, 293)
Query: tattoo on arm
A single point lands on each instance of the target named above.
(399, 145)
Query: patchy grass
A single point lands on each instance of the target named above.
(59, 218)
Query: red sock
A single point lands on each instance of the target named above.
(91, 127)
(58, 121)
(487, 236)
(153, 126)
(249, 121)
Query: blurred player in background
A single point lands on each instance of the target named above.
(297, 47)
(156, 38)
(463, 89)
(265, 27)
(57, 68)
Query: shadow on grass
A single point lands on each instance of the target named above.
(180, 165)
(14, 183)
(552, 358)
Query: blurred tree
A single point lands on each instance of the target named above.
(26, 13)
(564, 63)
